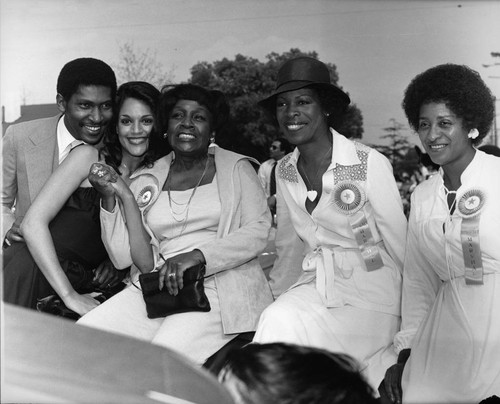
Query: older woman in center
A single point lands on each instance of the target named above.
(204, 205)
(341, 234)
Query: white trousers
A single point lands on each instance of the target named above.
(196, 335)
(299, 317)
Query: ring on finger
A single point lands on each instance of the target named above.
(171, 276)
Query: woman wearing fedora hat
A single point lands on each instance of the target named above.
(340, 242)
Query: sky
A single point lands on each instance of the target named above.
(377, 46)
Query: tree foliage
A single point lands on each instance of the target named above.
(245, 81)
(399, 150)
(140, 64)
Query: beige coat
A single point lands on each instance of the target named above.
(29, 156)
(242, 235)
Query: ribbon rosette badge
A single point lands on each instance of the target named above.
(145, 196)
(148, 192)
(471, 203)
(348, 197)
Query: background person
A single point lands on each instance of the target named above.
(206, 206)
(61, 227)
(267, 170)
(449, 343)
(339, 207)
(291, 374)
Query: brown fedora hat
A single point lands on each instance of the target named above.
(302, 72)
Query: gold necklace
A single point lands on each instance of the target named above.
(312, 193)
(186, 209)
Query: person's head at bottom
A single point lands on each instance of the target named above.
(281, 373)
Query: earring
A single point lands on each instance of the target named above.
(212, 139)
(327, 114)
(473, 133)
(165, 135)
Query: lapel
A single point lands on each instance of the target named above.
(41, 155)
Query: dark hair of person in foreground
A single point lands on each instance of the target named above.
(279, 373)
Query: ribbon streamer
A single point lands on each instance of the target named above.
(469, 208)
(366, 242)
(469, 234)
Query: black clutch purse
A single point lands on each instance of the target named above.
(160, 303)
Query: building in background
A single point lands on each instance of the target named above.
(30, 112)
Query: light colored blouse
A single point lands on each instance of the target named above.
(242, 234)
(434, 251)
(452, 328)
(195, 225)
(327, 234)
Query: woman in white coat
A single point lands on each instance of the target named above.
(449, 343)
(341, 229)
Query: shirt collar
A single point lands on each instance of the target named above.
(64, 137)
(469, 172)
(343, 151)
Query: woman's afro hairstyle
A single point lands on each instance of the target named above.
(460, 88)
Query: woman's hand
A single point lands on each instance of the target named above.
(80, 304)
(102, 177)
(109, 184)
(172, 271)
(390, 387)
(106, 276)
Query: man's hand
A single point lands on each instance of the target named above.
(13, 236)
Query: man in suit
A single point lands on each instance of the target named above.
(32, 150)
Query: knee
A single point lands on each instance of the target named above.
(276, 314)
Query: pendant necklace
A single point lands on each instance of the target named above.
(182, 216)
(451, 202)
(311, 193)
